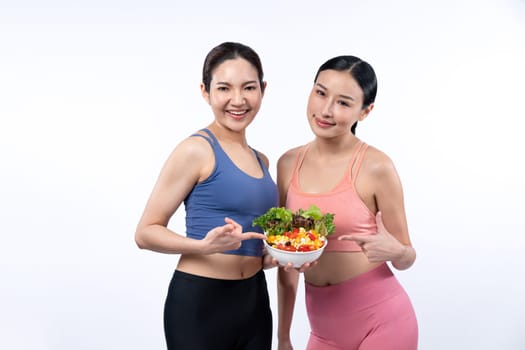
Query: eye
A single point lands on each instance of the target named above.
(343, 103)
(251, 87)
(222, 88)
(320, 92)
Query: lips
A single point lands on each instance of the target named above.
(323, 123)
(238, 114)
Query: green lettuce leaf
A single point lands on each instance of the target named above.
(278, 220)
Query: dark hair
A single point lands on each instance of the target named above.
(360, 70)
(228, 51)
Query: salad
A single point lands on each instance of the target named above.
(300, 231)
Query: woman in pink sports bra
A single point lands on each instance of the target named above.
(353, 299)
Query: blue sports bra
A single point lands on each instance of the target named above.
(229, 192)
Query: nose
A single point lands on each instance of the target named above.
(328, 109)
(237, 98)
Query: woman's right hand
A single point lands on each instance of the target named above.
(227, 237)
(289, 266)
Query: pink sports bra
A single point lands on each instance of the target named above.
(352, 216)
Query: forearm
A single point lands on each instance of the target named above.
(286, 292)
(160, 239)
(405, 259)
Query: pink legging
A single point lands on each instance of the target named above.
(369, 312)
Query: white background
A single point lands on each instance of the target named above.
(95, 94)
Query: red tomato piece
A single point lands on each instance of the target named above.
(289, 248)
(292, 235)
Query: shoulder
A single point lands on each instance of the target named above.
(194, 152)
(285, 168)
(193, 147)
(287, 159)
(378, 164)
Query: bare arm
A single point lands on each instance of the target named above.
(390, 203)
(287, 282)
(392, 241)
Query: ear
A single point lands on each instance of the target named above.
(205, 94)
(263, 87)
(364, 113)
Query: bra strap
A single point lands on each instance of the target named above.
(299, 160)
(210, 134)
(357, 160)
(210, 138)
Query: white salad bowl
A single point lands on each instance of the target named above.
(296, 258)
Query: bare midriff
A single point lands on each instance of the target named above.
(220, 266)
(337, 267)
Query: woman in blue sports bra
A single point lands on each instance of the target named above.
(217, 298)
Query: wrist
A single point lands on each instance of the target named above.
(284, 338)
(201, 246)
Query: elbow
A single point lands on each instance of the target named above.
(401, 267)
(406, 260)
(139, 240)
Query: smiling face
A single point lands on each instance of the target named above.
(235, 94)
(335, 104)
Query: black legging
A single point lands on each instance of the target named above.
(210, 314)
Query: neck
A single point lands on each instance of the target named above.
(226, 135)
(334, 146)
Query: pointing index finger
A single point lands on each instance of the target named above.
(252, 235)
(356, 238)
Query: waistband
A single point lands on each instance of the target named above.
(209, 280)
(365, 290)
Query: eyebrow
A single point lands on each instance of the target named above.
(243, 84)
(343, 96)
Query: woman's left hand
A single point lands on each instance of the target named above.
(379, 247)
